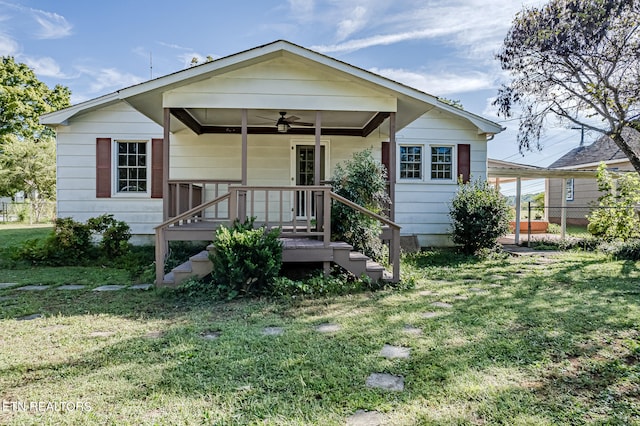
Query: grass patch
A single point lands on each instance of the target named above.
(529, 340)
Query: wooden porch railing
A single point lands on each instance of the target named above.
(187, 194)
(299, 212)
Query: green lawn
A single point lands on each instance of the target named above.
(549, 340)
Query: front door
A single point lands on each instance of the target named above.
(305, 174)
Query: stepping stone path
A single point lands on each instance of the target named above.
(328, 328)
(102, 334)
(272, 331)
(71, 287)
(442, 305)
(390, 352)
(7, 285)
(154, 334)
(386, 382)
(109, 288)
(427, 293)
(366, 418)
(460, 297)
(428, 315)
(478, 290)
(141, 287)
(409, 329)
(34, 288)
(3, 298)
(30, 317)
(211, 335)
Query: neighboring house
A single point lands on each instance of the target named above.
(278, 115)
(582, 193)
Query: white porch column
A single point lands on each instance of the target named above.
(317, 149)
(563, 210)
(518, 197)
(392, 165)
(244, 147)
(165, 163)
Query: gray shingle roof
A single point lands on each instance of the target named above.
(603, 149)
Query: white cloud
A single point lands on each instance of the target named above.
(108, 79)
(439, 84)
(8, 46)
(51, 24)
(45, 67)
(357, 20)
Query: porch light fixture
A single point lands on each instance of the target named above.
(282, 125)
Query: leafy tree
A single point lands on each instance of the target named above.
(616, 218)
(29, 165)
(575, 60)
(479, 216)
(363, 181)
(23, 99)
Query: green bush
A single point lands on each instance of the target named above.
(363, 181)
(70, 242)
(245, 260)
(623, 250)
(479, 215)
(617, 218)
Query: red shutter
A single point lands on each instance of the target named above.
(156, 168)
(464, 162)
(103, 167)
(386, 157)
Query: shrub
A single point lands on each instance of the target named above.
(70, 242)
(245, 260)
(480, 216)
(623, 250)
(363, 181)
(617, 218)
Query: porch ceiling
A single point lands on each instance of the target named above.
(263, 121)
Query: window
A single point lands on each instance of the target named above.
(131, 166)
(442, 162)
(410, 162)
(569, 189)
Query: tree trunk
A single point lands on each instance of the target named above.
(632, 153)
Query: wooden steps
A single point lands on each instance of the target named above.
(295, 250)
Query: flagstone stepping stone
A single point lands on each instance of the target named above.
(409, 329)
(102, 333)
(211, 335)
(498, 277)
(30, 317)
(109, 288)
(366, 418)
(430, 314)
(154, 334)
(390, 352)
(328, 328)
(427, 293)
(442, 305)
(478, 290)
(461, 297)
(33, 288)
(71, 287)
(141, 287)
(7, 285)
(3, 298)
(272, 331)
(495, 285)
(385, 381)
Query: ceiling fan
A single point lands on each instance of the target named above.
(284, 123)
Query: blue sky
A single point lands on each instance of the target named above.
(443, 47)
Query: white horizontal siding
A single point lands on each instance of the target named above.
(278, 82)
(76, 163)
(422, 207)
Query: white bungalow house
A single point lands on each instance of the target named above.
(256, 134)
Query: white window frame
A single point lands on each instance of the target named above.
(422, 162)
(570, 189)
(451, 179)
(114, 167)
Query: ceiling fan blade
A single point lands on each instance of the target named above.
(302, 123)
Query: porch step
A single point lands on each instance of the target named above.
(295, 250)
